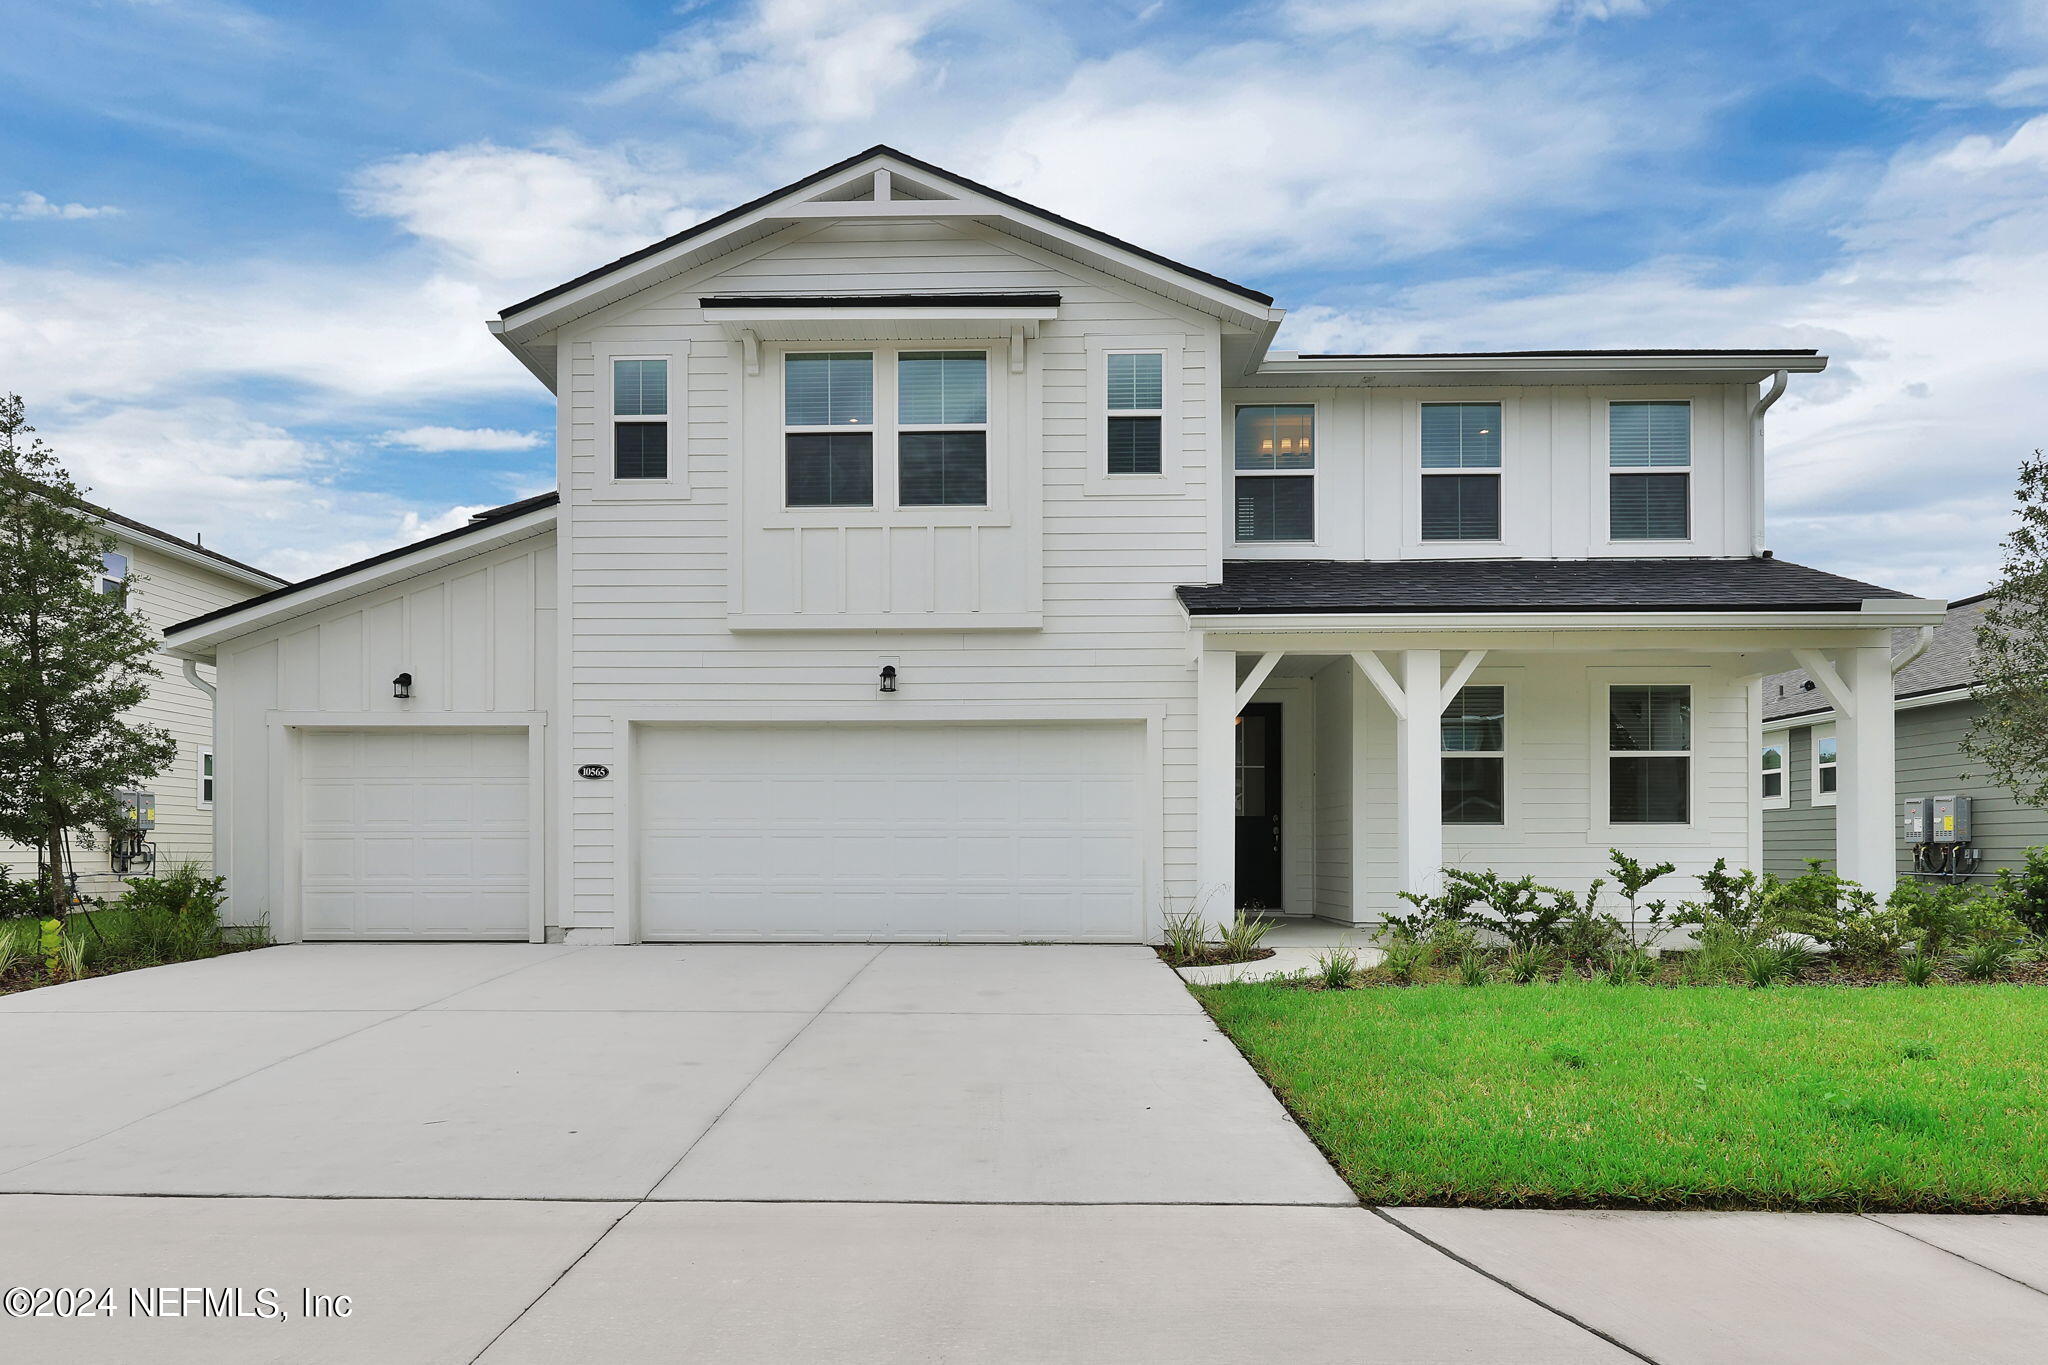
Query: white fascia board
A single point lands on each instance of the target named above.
(760, 317)
(1418, 622)
(1420, 370)
(1826, 715)
(187, 555)
(200, 641)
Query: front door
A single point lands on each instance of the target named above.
(1258, 807)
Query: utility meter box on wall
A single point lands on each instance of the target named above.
(1950, 821)
(1919, 817)
(138, 809)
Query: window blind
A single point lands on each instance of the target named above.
(1649, 435)
(942, 468)
(1461, 436)
(1653, 717)
(1648, 507)
(640, 388)
(1134, 445)
(829, 469)
(640, 450)
(1475, 721)
(828, 389)
(1281, 508)
(1136, 381)
(941, 388)
(1461, 507)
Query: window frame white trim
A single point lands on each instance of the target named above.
(1601, 830)
(1608, 469)
(674, 485)
(1815, 796)
(1096, 480)
(1503, 546)
(1316, 406)
(1509, 681)
(207, 789)
(1783, 745)
(900, 428)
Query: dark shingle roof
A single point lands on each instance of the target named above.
(1950, 662)
(1321, 585)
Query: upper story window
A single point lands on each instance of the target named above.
(1642, 437)
(206, 777)
(639, 419)
(1649, 759)
(942, 429)
(1137, 411)
(1826, 765)
(828, 443)
(1475, 750)
(1276, 459)
(1773, 790)
(113, 574)
(1461, 471)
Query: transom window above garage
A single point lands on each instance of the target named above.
(927, 411)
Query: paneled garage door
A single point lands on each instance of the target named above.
(414, 834)
(917, 832)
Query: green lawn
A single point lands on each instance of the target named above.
(1586, 1094)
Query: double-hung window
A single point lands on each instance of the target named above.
(1826, 765)
(639, 419)
(206, 777)
(1137, 412)
(1475, 757)
(828, 442)
(113, 574)
(1461, 471)
(1773, 789)
(942, 429)
(1649, 451)
(1276, 460)
(1649, 754)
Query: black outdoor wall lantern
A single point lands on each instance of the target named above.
(401, 686)
(888, 677)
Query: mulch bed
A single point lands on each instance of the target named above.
(1215, 957)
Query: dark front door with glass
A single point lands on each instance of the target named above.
(1258, 807)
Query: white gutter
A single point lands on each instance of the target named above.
(192, 676)
(1756, 459)
(1921, 646)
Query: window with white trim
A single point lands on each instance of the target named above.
(113, 574)
(1826, 765)
(639, 419)
(828, 441)
(1649, 754)
(206, 777)
(1644, 437)
(942, 429)
(1134, 430)
(1772, 765)
(1276, 460)
(1475, 757)
(1461, 471)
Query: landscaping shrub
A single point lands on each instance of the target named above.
(1991, 958)
(1473, 969)
(1740, 907)
(1582, 932)
(2024, 891)
(1337, 966)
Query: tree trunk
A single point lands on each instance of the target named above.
(60, 890)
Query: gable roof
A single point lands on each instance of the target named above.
(710, 225)
(1300, 586)
(1949, 663)
(178, 545)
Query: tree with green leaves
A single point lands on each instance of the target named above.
(74, 661)
(2010, 734)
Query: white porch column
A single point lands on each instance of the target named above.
(1866, 804)
(1215, 785)
(1418, 769)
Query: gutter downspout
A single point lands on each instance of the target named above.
(1920, 646)
(219, 853)
(1756, 459)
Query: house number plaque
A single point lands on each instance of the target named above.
(593, 770)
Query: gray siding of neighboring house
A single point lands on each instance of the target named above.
(1931, 763)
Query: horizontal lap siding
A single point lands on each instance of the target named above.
(1801, 830)
(648, 578)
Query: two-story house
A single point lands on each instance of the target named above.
(928, 566)
(166, 579)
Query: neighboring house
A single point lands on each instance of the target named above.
(929, 566)
(174, 578)
(1937, 702)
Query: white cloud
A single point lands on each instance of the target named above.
(29, 206)
(1482, 23)
(462, 438)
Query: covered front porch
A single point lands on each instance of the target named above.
(1346, 757)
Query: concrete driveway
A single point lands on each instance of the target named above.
(700, 1072)
(846, 1153)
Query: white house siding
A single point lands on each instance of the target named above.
(167, 590)
(646, 573)
(478, 636)
(1554, 472)
(1556, 750)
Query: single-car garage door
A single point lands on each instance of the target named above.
(917, 832)
(414, 834)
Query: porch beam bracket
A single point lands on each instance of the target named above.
(1370, 664)
(750, 348)
(1822, 670)
(1460, 675)
(1017, 348)
(1253, 680)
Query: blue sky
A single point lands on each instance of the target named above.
(246, 252)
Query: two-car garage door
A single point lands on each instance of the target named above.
(906, 832)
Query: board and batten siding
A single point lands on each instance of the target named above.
(646, 571)
(166, 590)
(1930, 763)
(478, 635)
